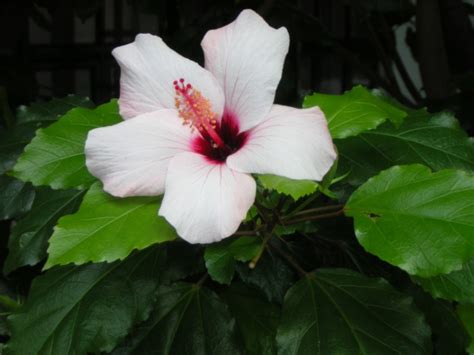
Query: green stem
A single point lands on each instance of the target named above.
(289, 259)
(254, 261)
(316, 210)
(202, 280)
(261, 211)
(305, 203)
(270, 224)
(315, 218)
(9, 303)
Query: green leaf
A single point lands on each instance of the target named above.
(8, 305)
(220, 257)
(451, 337)
(29, 119)
(251, 214)
(294, 188)
(436, 141)
(55, 157)
(188, 319)
(51, 110)
(12, 142)
(182, 260)
(466, 313)
(337, 311)
(16, 197)
(29, 237)
(448, 332)
(415, 219)
(384, 96)
(302, 227)
(330, 178)
(256, 318)
(354, 112)
(271, 276)
(90, 308)
(107, 228)
(456, 286)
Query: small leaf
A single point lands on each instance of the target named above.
(55, 157)
(337, 311)
(271, 276)
(329, 179)
(89, 308)
(29, 237)
(220, 257)
(220, 264)
(188, 319)
(29, 119)
(107, 228)
(456, 286)
(251, 214)
(415, 219)
(12, 143)
(51, 110)
(294, 188)
(354, 112)
(466, 313)
(16, 197)
(256, 318)
(433, 140)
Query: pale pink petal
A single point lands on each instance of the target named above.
(290, 142)
(204, 201)
(247, 59)
(148, 69)
(131, 158)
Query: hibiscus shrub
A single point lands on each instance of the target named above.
(367, 253)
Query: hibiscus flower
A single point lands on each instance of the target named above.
(196, 134)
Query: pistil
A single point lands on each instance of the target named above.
(196, 112)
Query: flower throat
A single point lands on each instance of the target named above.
(216, 140)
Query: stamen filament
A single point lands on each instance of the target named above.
(196, 111)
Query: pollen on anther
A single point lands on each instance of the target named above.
(193, 107)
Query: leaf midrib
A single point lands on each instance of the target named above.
(318, 277)
(97, 230)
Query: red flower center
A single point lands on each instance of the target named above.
(228, 129)
(216, 140)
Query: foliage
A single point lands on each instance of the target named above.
(294, 188)
(337, 301)
(404, 215)
(91, 233)
(55, 157)
(310, 271)
(354, 112)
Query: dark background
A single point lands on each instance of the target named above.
(421, 52)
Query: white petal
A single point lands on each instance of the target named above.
(131, 158)
(204, 201)
(247, 59)
(148, 69)
(290, 142)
